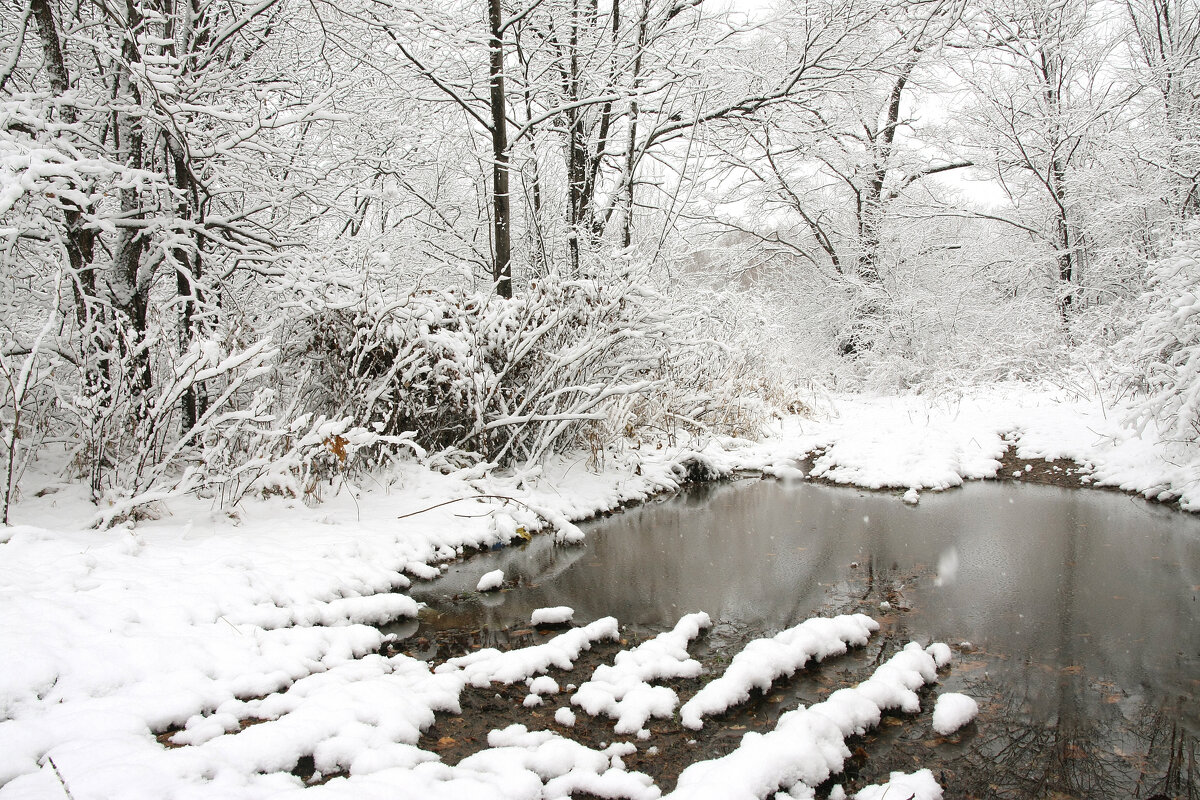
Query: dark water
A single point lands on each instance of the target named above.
(1080, 609)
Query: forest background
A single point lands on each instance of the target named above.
(248, 246)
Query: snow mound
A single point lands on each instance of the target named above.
(520, 763)
(762, 661)
(952, 711)
(491, 581)
(919, 785)
(912, 497)
(941, 653)
(555, 615)
(808, 745)
(493, 666)
(623, 691)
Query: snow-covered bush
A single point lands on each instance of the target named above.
(564, 364)
(1166, 347)
(27, 400)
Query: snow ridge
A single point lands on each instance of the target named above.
(919, 785)
(808, 745)
(568, 767)
(763, 661)
(493, 666)
(623, 691)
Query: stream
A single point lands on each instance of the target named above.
(1073, 615)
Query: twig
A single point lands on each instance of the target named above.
(60, 777)
(476, 497)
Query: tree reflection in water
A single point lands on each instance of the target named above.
(1092, 747)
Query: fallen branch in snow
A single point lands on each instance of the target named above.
(568, 532)
(60, 777)
(471, 497)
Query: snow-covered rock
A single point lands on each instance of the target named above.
(952, 711)
(554, 615)
(491, 581)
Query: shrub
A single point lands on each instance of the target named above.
(1166, 347)
(568, 363)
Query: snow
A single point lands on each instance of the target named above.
(808, 745)
(623, 690)
(251, 632)
(555, 615)
(490, 665)
(952, 711)
(765, 660)
(942, 655)
(204, 621)
(919, 785)
(491, 581)
(912, 497)
(936, 441)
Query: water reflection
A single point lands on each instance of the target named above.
(1080, 608)
(1085, 750)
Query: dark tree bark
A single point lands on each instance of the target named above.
(80, 241)
(501, 213)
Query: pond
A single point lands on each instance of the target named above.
(1073, 615)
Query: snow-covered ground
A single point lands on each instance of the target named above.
(205, 618)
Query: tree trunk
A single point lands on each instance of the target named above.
(188, 269)
(80, 244)
(501, 215)
(129, 288)
(80, 241)
(631, 158)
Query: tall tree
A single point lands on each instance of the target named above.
(1043, 94)
(1166, 48)
(828, 170)
(497, 102)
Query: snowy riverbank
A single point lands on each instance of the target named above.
(202, 618)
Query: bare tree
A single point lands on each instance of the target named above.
(826, 170)
(1043, 99)
(1166, 39)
